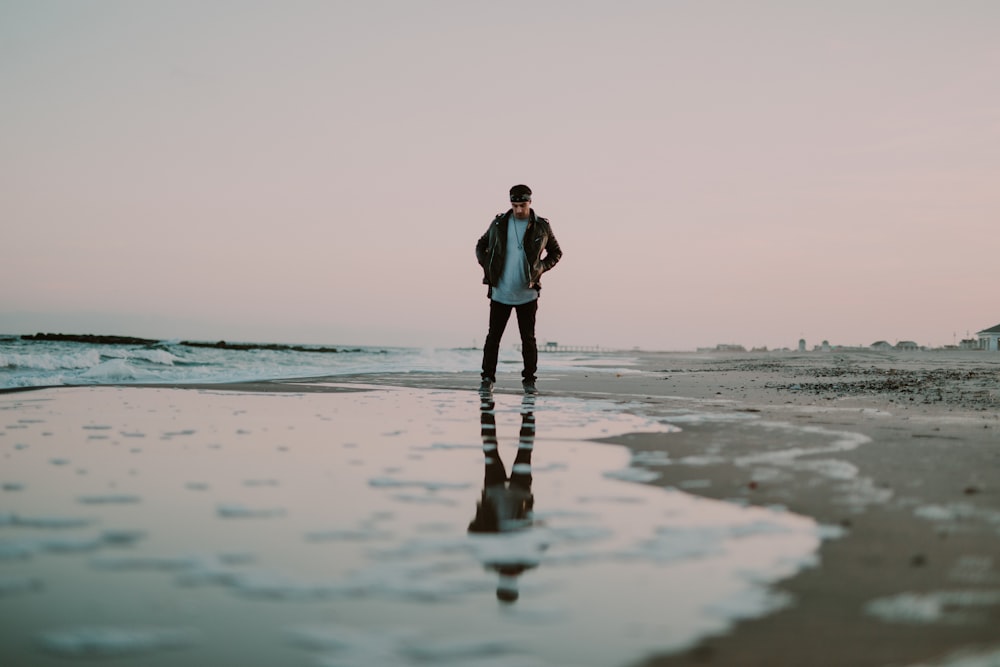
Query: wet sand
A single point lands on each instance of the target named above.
(915, 580)
(313, 525)
(922, 511)
(901, 451)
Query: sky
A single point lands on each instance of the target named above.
(320, 171)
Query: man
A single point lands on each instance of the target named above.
(510, 253)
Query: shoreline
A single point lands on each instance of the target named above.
(358, 501)
(911, 484)
(927, 525)
(915, 578)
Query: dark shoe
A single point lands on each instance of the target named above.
(529, 387)
(486, 386)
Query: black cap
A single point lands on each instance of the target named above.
(520, 193)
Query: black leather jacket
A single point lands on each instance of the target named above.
(491, 249)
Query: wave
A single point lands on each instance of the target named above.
(49, 361)
(34, 363)
(117, 370)
(152, 355)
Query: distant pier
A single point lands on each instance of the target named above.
(556, 347)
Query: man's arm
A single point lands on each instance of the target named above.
(482, 246)
(553, 253)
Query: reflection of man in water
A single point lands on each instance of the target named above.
(506, 502)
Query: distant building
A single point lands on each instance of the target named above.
(907, 345)
(802, 345)
(989, 339)
(881, 346)
(969, 344)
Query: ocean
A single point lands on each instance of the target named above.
(39, 363)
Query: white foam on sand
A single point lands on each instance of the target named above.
(114, 641)
(357, 506)
(343, 645)
(238, 511)
(967, 658)
(953, 512)
(50, 522)
(25, 548)
(960, 606)
(109, 499)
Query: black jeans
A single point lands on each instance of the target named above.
(499, 315)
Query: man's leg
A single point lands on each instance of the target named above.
(529, 348)
(499, 314)
(520, 472)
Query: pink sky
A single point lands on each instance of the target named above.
(716, 172)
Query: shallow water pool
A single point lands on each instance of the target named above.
(386, 526)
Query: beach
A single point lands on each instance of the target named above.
(922, 511)
(840, 508)
(915, 579)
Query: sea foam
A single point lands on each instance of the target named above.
(113, 641)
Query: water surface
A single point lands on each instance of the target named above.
(171, 526)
